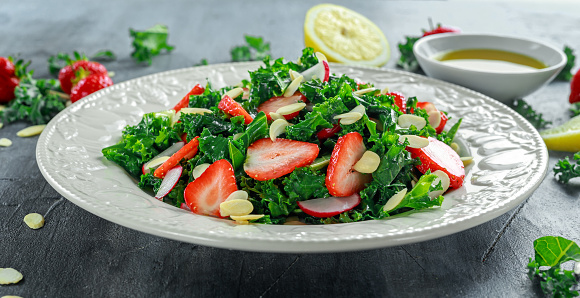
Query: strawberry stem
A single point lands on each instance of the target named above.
(59, 94)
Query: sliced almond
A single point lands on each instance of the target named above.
(434, 118)
(291, 89)
(293, 220)
(291, 108)
(275, 116)
(247, 217)
(68, 103)
(385, 90)
(4, 142)
(240, 84)
(414, 141)
(368, 163)
(364, 91)
(195, 111)
(2, 107)
(466, 160)
(199, 169)
(577, 268)
(321, 57)
(34, 220)
(277, 128)
(236, 207)
(349, 118)
(235, 92)
(359, 109)
(237, 195)
(406, 120)
(455, 147)
(31, 131)
(242, 222)
(293, 74)
(9, 276)
(444, 179)
(238, 135)
(156, 162)
(395, 200)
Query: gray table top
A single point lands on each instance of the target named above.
(78, 254)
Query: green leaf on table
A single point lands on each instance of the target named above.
(149, 43)
(552, 251)
(104, 55)
(564, 170)
(535, 118)
(240, 54)
(244, 53)
(575, 109)
(566, 74)
(201, 62)
(408, 61)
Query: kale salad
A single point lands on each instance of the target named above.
(294, 144)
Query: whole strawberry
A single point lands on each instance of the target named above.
(76, 71)
(88, 85)
(8, 79)
(575, 88)
(441, 29)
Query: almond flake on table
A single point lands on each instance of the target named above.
(9, 276)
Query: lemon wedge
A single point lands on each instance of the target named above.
(345, 36)
(565, 137)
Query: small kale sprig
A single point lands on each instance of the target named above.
(60, 60)
(553, 251)
(535, 118)
(566, 74)
(149, 43)
(566, 169)
(244, 53)
(575, 109)
(408, 61)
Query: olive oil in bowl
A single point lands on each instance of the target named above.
(490, 60)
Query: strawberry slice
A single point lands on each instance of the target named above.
(441, 126)
(205, 194)
(269, 159)
(341, 179)
(326, 133)
(327, 207)
(438, 156)
(184, 102)
(186, 152)
(230, 106)
(274, 103)
(400, 101)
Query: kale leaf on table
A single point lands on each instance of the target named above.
(575, 109)
(408, 61)
(256, 45)
(552, 252)
(535, 118)
(566, 74)
(149, 43)
(564, 170)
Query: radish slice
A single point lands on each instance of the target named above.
(169, 182)
(327, 207)
(146, 168)
(319, 71)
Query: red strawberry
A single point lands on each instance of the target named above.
(439, 156)
(441, 29)
(88, 85)
(205, 194)
(184, 102)
(230, 106)
(274, 103)
(341, 179)
(575, 88)
(70, 74)
(269, 160)
(7, 86)
(326, 133)
(400, 101)
(441, 126)
(6, 67)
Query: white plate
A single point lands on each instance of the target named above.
(510, 161)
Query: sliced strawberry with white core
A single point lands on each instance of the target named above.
(269, 160)
(319, 71)
(327, 207)
(169, 182)
(205, 194)
(341, 179)
(441, 126)
(439, 156)
(167, 152)
(274, 103)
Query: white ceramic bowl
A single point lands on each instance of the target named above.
(502, 86)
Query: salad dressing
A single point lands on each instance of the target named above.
(490, 60)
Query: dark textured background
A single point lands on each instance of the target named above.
(78, 254)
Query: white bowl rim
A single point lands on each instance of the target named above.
(424, 40)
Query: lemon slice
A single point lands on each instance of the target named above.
(565, 137)
(345, 36)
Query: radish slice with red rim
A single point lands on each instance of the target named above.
(169, 182)
(167, 152)
(319, 71)
(327, 207)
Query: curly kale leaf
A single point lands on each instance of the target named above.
(535, 118)
(304, 184)
(566, 169)
(575, 109)
(243, 53)
(194, 124)
(408, 61)
(553, 251)
(35, 101)
(565, 74)
(149, 43)
(272, 200)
